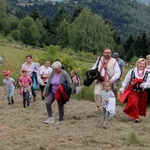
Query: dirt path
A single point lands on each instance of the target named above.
(23, 129)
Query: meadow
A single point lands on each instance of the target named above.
(24, 128)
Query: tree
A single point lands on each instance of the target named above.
(88, 32)
(144, 45)
(62, 34)
(60, 16)
(14, 22)
(40, 28)
(129, 47)
(76, 12)
(35, 14)
(137, 45)
(28, 31)
(20, 13)
(2, 15)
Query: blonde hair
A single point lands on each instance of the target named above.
(106, 82)
(139, 60)
(56, 65)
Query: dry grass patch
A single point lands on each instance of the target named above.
(23, 129)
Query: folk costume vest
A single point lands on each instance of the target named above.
(136, 86)
(103, 67)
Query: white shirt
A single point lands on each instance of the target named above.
(32, 67)
(9, 83)
(127, 79)
(45, 71)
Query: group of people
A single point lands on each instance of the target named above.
(134, 88)
(55, 83)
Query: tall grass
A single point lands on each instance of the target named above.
(14, 58)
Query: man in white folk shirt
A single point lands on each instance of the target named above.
(109, 69)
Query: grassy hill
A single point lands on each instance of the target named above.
(24, 128)
(14, 56)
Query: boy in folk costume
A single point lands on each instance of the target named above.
(109, 69)
(134, 91)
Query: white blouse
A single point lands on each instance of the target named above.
(127, 79)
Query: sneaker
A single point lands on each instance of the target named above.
(49, 120)
(59, 122)
(104, 126)
(9, 103)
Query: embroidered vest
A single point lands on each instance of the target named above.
(136, 87)
(109, 67)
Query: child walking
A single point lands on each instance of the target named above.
(9, 83)
(108, 102)
(75, 80)
(25, 83)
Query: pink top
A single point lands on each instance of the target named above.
(25, 81)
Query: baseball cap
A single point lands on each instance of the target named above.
(6, 72)
(115, 55)
(24, 70)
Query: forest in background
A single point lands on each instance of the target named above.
(87, 26)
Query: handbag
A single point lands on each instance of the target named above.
(93, 74)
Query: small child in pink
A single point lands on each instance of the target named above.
(25, 83)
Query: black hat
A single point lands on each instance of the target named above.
(93, 74)
(88, 82)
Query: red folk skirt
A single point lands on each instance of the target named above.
(136, 104)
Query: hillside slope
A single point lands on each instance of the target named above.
(23, 129)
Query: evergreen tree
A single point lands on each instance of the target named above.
(144, 45)
(76, 12)
(148, 42)
(137, 45)
(61, 15)
(35, 14)
(129, 47)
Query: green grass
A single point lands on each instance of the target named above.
(14, 56)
